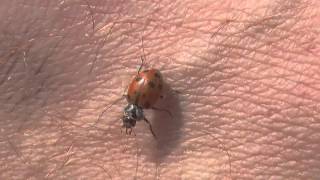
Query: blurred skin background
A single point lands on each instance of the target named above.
(248, 73)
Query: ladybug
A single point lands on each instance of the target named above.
(145, 88)
(142, 93)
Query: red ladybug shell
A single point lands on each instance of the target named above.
(145, 88)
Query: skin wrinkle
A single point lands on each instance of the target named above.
(86, 138)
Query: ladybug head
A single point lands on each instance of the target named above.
(131, 114)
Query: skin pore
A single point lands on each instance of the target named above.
(248, 73)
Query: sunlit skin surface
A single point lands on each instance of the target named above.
(248, 73)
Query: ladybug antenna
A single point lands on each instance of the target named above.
(108, 107)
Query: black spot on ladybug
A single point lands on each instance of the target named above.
(147, 105)
(160, 86)
(138, 78)
(151, 84)
(157, 74)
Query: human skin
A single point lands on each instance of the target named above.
(247, 73)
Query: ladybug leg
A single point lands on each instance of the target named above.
(125, 94)
(128, 132)
(163, 110)
(132, 130)
(124, 128)
(126, 97)
(150, 127)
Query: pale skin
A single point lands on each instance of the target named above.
(248, 74)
